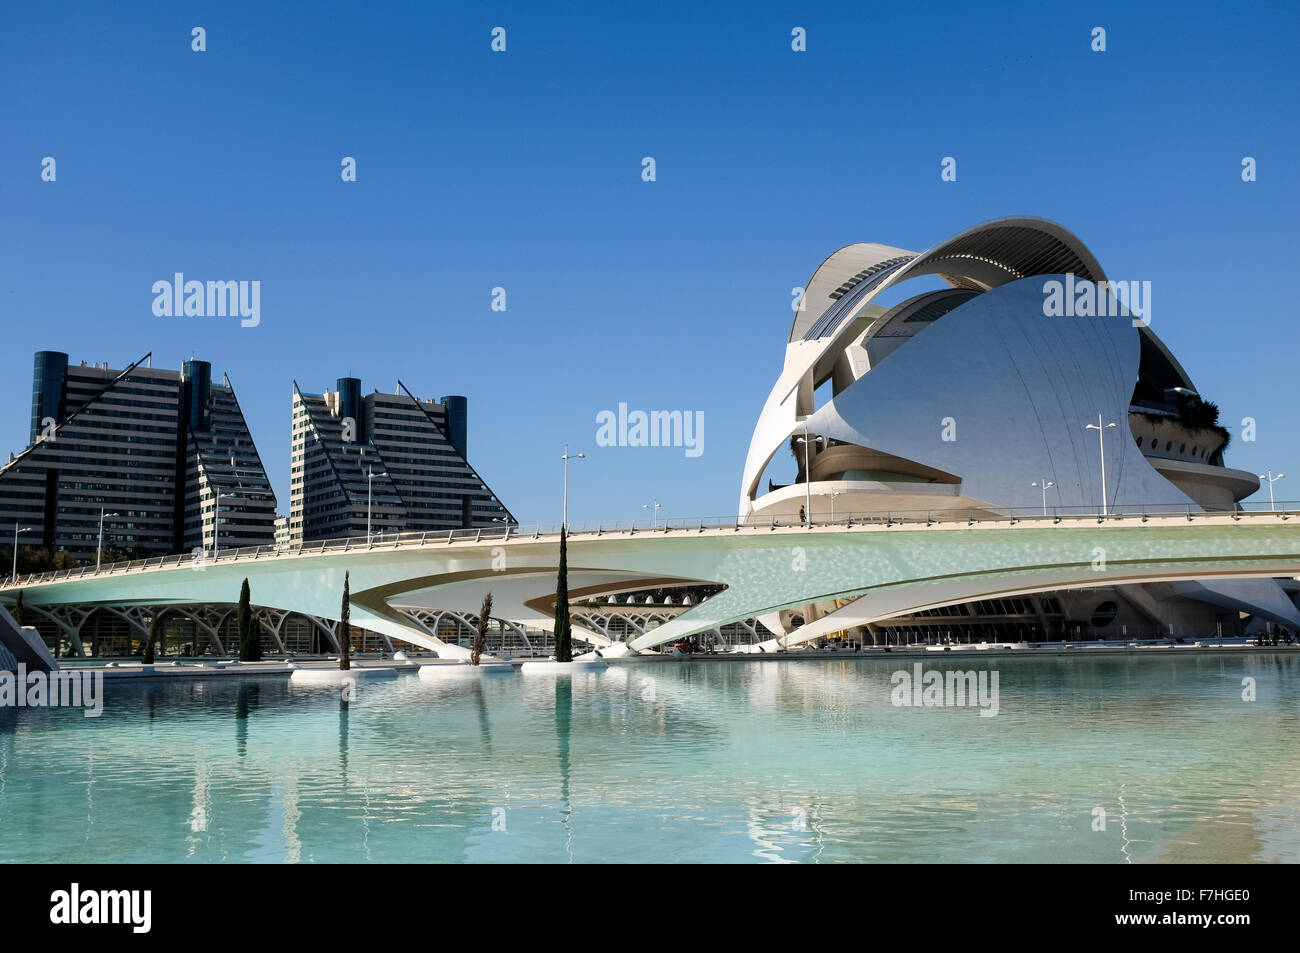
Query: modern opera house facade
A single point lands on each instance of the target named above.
(947, 382)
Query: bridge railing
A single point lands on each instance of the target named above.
(756, 522)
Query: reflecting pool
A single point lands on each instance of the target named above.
(1109, 759)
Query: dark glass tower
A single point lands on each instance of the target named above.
(49, 374)
(457, 422)
(349, 391)
(198, 394)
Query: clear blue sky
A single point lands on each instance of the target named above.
(522, 170)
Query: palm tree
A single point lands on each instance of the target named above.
(563, 631)
(480, 637)
(344, 630)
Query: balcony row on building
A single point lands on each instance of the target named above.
(148, 461)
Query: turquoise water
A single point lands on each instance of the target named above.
(805, 761)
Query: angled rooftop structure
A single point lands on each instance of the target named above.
(381, 464)
(148, 449)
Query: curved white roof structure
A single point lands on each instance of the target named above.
(993, 360)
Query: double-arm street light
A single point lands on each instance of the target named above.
(1043, 485)
(370, 480)
(1271, 478)
(807, 475)
(238, 473)
(564, 520)
(100, 551)
(216, 519)
(25, 529)
(1101, 445)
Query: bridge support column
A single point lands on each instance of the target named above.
(69, 628)
(328, 630)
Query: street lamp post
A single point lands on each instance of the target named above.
(654, 515)
(807, 475)
(1101, 446)
(100, 551)
(1043, 485)
(834, 493)
(1271, 480)
(236, 472)
(25, 529)
(216, 526)
(216, 520)
(564, 520)
(370, 479)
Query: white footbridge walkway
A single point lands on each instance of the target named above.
(886, 564)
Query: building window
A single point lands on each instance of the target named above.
(1104, 614)
(1139, 441)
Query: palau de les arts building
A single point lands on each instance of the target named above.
(965, 397)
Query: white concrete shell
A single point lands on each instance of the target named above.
(836, 309)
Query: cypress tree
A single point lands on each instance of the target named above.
(344, 630)
(250, 645)
(563, 631)
(480, 637)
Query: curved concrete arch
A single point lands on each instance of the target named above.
(925, 301)
(838, 268)
(68, 619)
(888, 604)
(1006, 249)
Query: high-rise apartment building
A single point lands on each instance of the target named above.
(148, 451)
(383, 463)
